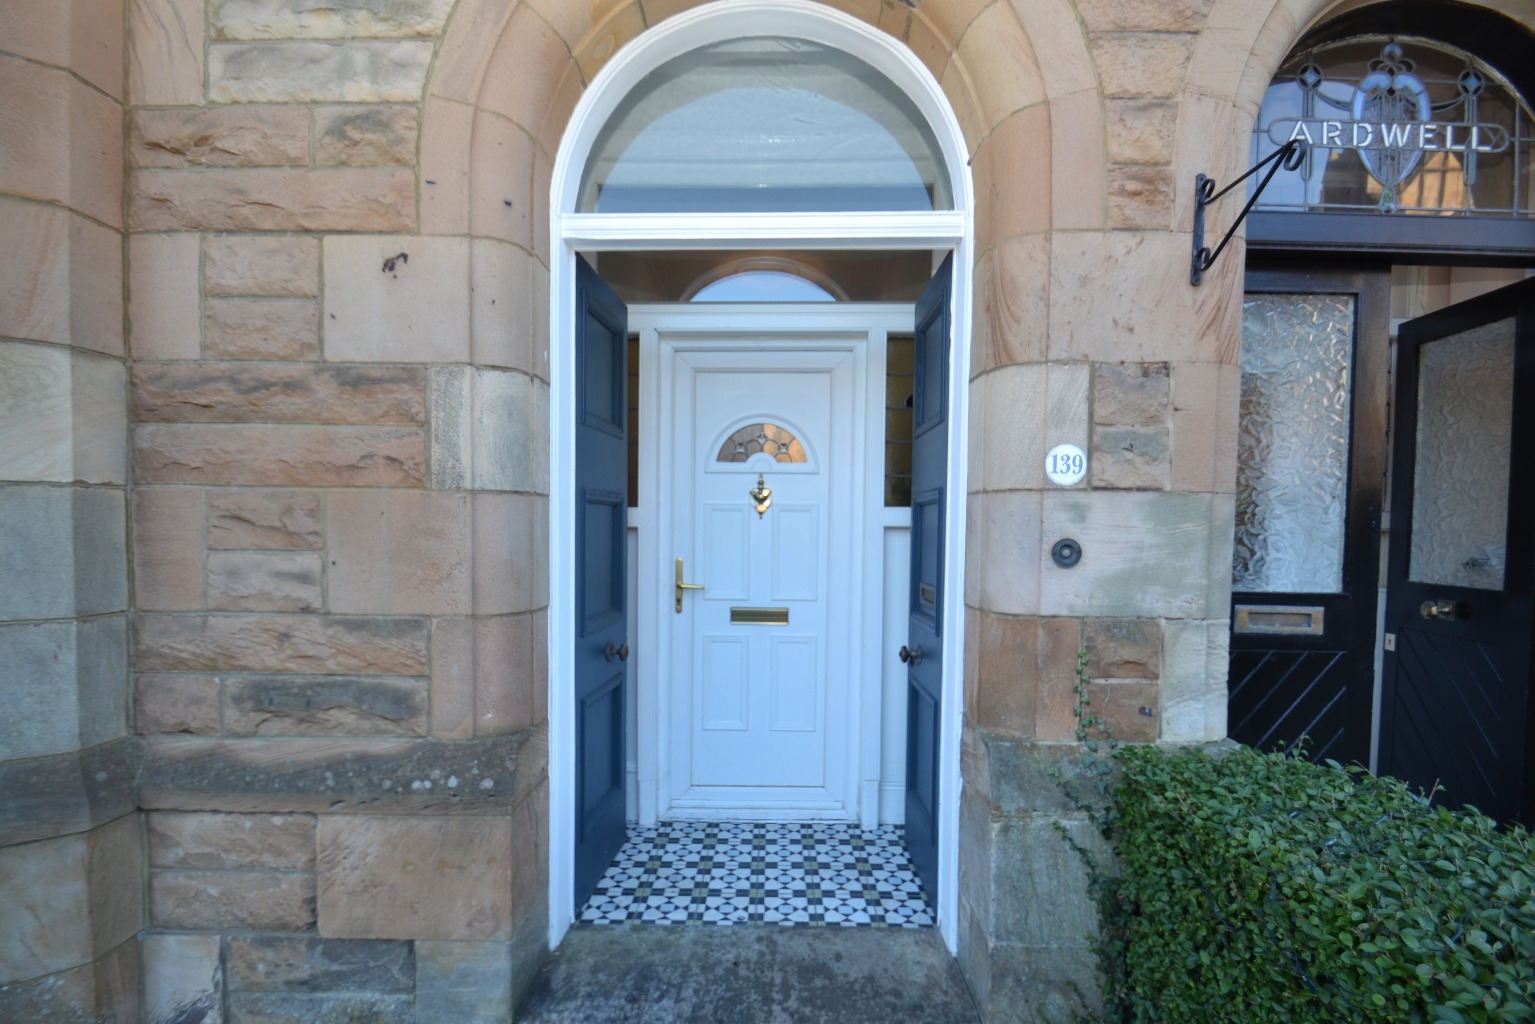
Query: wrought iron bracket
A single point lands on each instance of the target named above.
(1288, 156)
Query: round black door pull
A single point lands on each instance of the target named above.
(913, 656)
(622, 652)
(1066, 552)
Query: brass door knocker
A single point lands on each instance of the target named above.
(761, 496)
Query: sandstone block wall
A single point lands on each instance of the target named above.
(274, 428)
(71, 863)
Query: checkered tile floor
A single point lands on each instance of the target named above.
(821, 873)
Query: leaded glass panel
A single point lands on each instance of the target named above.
(1397, 124)
(1292, 443)
(1460, 480)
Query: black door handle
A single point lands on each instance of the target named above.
(622, 652)
(913, 656)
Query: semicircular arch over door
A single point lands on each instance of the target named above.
(610, 192)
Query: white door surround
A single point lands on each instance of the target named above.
(571, 231)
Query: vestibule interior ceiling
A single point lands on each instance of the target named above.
(850, 276)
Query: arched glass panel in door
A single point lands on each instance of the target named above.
(765, 124)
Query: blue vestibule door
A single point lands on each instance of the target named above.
(923, 651)
(602, 469)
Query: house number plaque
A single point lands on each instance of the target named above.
(1066, 464)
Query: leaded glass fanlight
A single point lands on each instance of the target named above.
(764, 124)
(1397, 124)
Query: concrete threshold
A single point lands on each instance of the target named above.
(749, 974)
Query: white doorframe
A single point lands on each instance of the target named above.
(569, 231)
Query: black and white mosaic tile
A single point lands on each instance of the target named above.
(725, 873)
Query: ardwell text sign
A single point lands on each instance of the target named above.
(1399, 135)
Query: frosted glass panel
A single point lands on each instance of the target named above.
(1460, 485)
(1292, 443)
(764, 124)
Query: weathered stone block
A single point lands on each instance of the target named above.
(264, 581)
(114, 874)
(1123, 648)
(397, 878)
(164, 310)
(280, 456)
(67, 793)
(535, 58)
(261, 265)
(269, 520)
(105, 991)
(354, 71)
(357, 19)
(502, 320)
(503, 685)
(284, 964)
(43, 888)
(261, 329)
(1008, 655)
(318, 1008)
(366, 136)
(287, 643)
(1140, 64)
(167, 704)
(219, 137)
(57, 134)
(1140, 197)
(101, 670)
(167, 548)
(510, 416)
(258, 900)
(1143, 554)
(995, 50)
(1008, 562)
(452, 678)
(62, 550)
(61, 415)
(393, 776)
(1131, 458)
(1144, 15)
(183, 982)
(1141, 131)
(165, 51)
(231, 841)
(83, 37)
(1035, 985)
(463, 981)
(452, 428)
(399, 552)
(396, 299)
(1194, 680)
(1132, 394)
(511, 543)
(325, 706)
(278, 393)
(272, 199)
(40, 688)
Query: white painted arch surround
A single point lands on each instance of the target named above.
(571, 231)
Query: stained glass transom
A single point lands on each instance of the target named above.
(1292, 443)
(1397, 124)
(761, 437)
(1460, 484)
(765, 124)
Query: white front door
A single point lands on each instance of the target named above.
(761, 672)
(766, 685)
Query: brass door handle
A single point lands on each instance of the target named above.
(681, 586)
(621, 652)
(1440, 609)
(912, 656)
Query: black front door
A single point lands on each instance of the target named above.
(1311, 461)
(923, 651)
(1455, 702)
(602, 482)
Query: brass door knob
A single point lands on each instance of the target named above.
(1440, 609)
(912, 656)
(621, 652)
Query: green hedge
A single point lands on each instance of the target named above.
(1256, 888)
